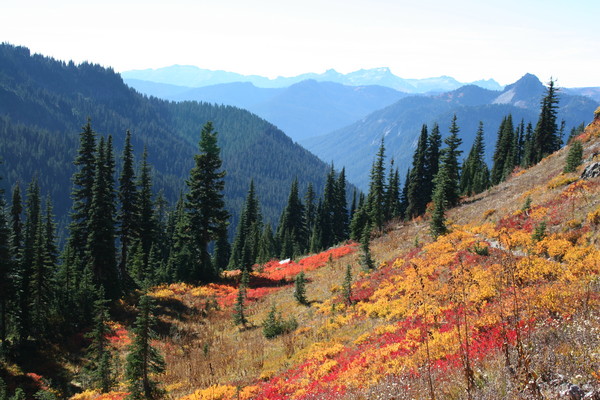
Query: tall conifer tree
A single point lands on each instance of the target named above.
(449, 161)
(475, 174)
(205, 207)
(376, 198)
(128, 217)
(546, 139)
(432, 160)
(417, 200)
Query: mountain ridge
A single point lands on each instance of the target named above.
(187, 75)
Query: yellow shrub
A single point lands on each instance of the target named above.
(594, 217)
(561, 180)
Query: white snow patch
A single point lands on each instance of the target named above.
(505, 98)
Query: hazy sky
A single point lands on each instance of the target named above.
(466, 39)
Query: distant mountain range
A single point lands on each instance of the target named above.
(354, 146)
(305, 109)
(190, 76)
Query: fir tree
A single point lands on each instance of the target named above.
(449, 161)
(545, 137)
(326, 218)
(266, 246)
(221, 252)
(432, 161)
(310, 206)
(128, 217)
(574, 156)
(475, 174)
(101, 226)
(291, 231)
(347, 286)
(300, 288)
(392, 195)
(147, 225)
(404, 195)
(245, 244)
(365, 258)
(83, 183)
(437, 225)
(376, 197)
(206, 214)
(417, 200)
(6, 273)
(239, 316)
(340, 209)
(143, 359)
(527, 159)
(503, 164)
(99, 368)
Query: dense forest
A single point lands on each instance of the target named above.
(44, 102)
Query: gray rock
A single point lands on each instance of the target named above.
(591, 171)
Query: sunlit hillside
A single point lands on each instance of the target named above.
(504, 306)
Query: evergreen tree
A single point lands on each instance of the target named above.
(432, 161)
(291, 231)
(417, 201)
(449, 161)
(266, 246)
(128, 217)
(359, 222)
(443, 185)
(392, 195)
(365, 258)
(326, 217)
(30, 252)
(340, 210)
(101, 249)
(574, 156)
(179, 264)
(143, 359)
(404, 195)
(347, 286)
(528, 157)
(376, 198)
(545, 137)
(245, 245)
(221, 252)
(475, 174)
(239, 316)
(6, 273)
(99, 366)
(311, 210)
(206, 214)
(147, 221)
(83, 184)
(300, 288)
(503, 165)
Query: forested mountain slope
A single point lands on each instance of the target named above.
(44, 103)
(400, 123)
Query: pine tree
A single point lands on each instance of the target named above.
(128, 217)
(417, 201)
(392, 194)
(291, 231)
(365, 258)
(347, 286)
(340, 210)
(309, 204)
(99, 366)
(449, 161)
(300, 288)
(574, 156)
(376, 197)
(143, 359)
(147, 220)
(239, 316)
(245, 244)
(101, 248)
(528, 155)
(502, 153)
(30, 251)
(326, 218)
(83, 183)
(437, 226)
(266, 246)
(6, 273)
(545, 137)
(206, 214)
(432, 161)
(475, 174)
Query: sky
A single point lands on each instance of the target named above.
(466, 39)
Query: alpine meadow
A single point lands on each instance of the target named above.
(164, 234)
